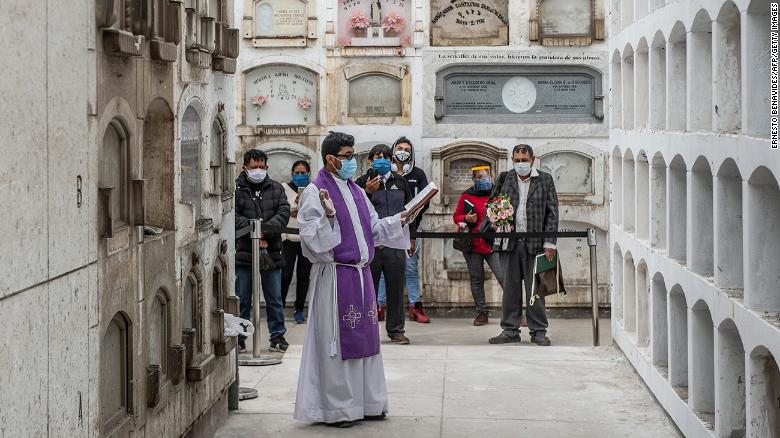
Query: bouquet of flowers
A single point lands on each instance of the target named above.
(258, 100)
(393, 22)
(501, 214)
(304, 103)
(359, 20)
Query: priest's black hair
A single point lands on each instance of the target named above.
(333, 143)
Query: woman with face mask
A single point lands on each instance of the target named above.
(469, 214)
(291, 244)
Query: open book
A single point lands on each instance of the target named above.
(422, 198)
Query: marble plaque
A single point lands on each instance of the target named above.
(190, 157)
(280, 18)
(281, 95)
(566, 17)
(374, 23)
(280, 165)
(375, 95)
(468, 23)
(459, 176)
(572, 172)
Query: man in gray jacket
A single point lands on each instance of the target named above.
(533, 197)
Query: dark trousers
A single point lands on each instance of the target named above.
(392, 263)
(518, 271)
(476, 265)
(271, 285)
(292, 251)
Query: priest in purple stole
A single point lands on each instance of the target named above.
(342, 378)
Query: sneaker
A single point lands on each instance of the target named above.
(381, 312)
(279, 344)
(416, 313)
(504, 338)
(399, 339)
(481, 319)
(299, 319)
(542, 340)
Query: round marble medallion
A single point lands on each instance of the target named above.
(518, 94)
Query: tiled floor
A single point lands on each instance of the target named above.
(451, 383)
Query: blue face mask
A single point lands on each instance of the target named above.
(483, 184)
(300, 180)
(381, 165)
(348, 169)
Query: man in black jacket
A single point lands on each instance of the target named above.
(259, 197)
(389, 193)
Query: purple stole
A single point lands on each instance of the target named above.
(357, 314)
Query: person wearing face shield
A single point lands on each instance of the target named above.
(535, 202)
(259, 197)
(389, 193)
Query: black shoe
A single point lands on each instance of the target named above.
(279, 344)
(542, 340)
(379, 417)
(341, 424)
(504, 338)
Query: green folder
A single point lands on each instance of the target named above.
(468, 206)
(541, 264)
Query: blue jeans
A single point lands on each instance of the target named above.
(412, 280)
(272, 292)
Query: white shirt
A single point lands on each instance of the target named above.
(521, 219)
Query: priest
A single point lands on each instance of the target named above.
(342, 378)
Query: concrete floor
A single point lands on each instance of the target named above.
(451, 383)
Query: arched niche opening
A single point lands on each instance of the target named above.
(629, 192)
(729, 381)
(677, 187)
(678, 341)
(642, 308)
(452, 164)
(617, 186)
(190, 161)
(220, 168)
(677, 77)
(660, 325)
(763, 392)
(700, 255)
(159, 331)
(116, 373)
(627, 70)
(728, 226)
(641, 84)
(158, 164)
(700, 108)
(762, 246)
(642, 196)
(629, 294)
(658, 202)
(755, 82)
(281, 156)
(114, 179)
(617, 284)
(616, 99)
(701, 374)
(727, 56)
(657, 68)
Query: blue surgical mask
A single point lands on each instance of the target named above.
(483, 184)
(523, 168)
(300, 180)
(348, 169)
(381, 165)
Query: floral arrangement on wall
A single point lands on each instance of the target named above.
(258, 100)
(393, 22)
(359, 20)
(304, 103)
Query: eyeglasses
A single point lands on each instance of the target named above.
(345, 156)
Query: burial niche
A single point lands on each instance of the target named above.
(281, 95)
(572, 172)
(113, 179)
(190, 159)
(565, 22)
(115, 373)
(482, 23)
(374, 23)
(280, 18)
(375, 94)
